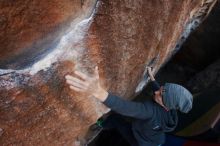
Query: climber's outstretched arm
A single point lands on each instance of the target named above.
(91, 86)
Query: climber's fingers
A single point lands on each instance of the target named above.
(96, 72)
(76, 83)
(81, 75)
(74, 79)
(150, 69)
(84, 83)
(76, 89)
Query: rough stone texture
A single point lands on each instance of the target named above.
(196, 64)
(138, 36)
(42, 111)
(202, 46)
(31, 28)
(121, 37)
(207, 79)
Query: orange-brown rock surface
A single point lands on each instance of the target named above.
(42, 41)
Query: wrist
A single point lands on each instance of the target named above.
(101, 94)
(151, 77)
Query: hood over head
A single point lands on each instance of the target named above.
(177, 97)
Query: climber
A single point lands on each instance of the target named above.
(152, 118)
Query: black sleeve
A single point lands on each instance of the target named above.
(128, 108)
(155, 86)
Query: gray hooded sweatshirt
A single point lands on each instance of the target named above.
(151, 119)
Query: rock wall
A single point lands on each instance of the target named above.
(196, 66)
(30, 29)
(41, 42)
(202, 47)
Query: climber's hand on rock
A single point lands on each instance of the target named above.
(150, 73)
(87, 84)
(149, 70)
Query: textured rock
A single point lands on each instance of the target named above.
(46, 41)
(202, 47)
(207, 79)
(31, 28)
(196, 64)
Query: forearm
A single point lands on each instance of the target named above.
(155, 86)
(128, 108)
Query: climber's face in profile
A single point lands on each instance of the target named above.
(158, 97)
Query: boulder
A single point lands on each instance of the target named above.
(41, 42)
